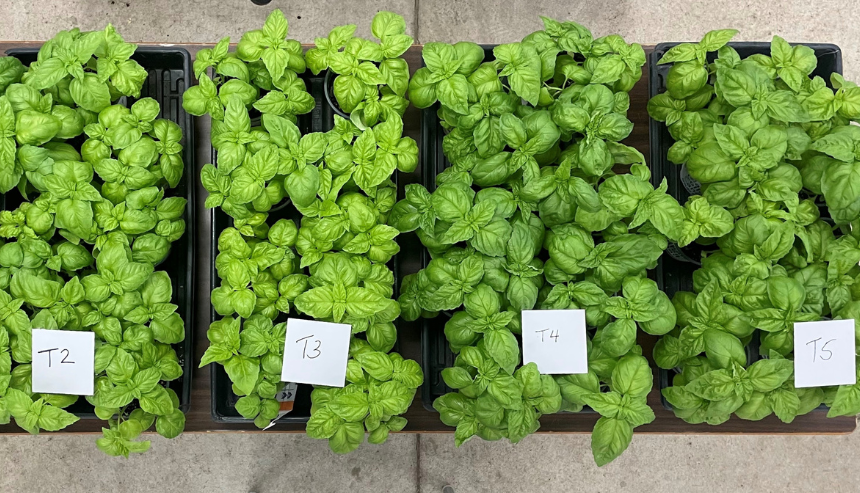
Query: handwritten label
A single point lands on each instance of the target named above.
(824, 353)
(316, 352)
(555, 340)
(63, 362)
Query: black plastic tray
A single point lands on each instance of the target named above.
(320, 119)
(675, 268)
(436, 354)
(169, 75)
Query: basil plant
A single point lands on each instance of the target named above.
(81, 250)
(542, 207)
(263, 73)
(329, 263)
(773, 148)
(372, 78)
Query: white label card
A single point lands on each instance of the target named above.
(824, 353)
(316, 352)
(63, 362)
(555, 340)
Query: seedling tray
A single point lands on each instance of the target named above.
(320, 119)
(436, 353)
(169, 75)
(675, 268)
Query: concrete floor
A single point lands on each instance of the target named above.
(487, 21)
(271, 463)
(268, 463)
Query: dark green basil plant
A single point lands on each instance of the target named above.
(80, 252)
(331, 266)
(775, 153)
(533, 215)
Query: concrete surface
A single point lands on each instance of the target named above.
(212, 463)
(189, 21)
(652, 464)
(487, 21)
(266, 463)
(649, 21)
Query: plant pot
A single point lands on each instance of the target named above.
(328, 90)
(281, 205)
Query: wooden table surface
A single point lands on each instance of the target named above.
(199, 418)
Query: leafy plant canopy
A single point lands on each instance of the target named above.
(327, 259)
(542, 207)
(773, 148)
(93, 221)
